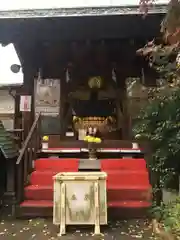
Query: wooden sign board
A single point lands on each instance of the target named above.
(25, 103)
(47, 96)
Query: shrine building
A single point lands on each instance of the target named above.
(76, 62)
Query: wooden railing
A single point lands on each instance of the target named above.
(24, 163)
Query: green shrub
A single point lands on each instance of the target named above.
(159, 123)
(171, 216)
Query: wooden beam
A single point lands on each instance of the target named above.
(63, 95)
(17, 118)
(119, 110)
(66, 120)
(126, 130)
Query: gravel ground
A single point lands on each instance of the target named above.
(45, 230)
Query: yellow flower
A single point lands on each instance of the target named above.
(97, 140)
(45, 138)
(91, 139)
(86, 138)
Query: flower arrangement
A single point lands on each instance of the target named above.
(91, 139)
(45, 138)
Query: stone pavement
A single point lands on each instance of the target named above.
(37, 229)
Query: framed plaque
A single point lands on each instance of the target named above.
(47, 96)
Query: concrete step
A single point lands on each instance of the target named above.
(125, 209)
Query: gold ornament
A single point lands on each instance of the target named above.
(95, 82)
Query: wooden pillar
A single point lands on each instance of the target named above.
(10, 193)
(126, 118)
(62, 102)
(122, 99)
(28, 89)
(17, 122)
(118, 108)
(29, 54)
(65, 88)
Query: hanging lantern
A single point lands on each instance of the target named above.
(95, 82)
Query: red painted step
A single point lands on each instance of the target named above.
(123, 164)
(114, 177)
(130, 204)
(35, 192)
(133, 193)
(114, 193)
(39, 203)
(132, 178)
(43, 178)
(57, 164)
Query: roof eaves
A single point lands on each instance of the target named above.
(78, 12)
(4, 86)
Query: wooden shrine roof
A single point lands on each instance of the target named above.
(77, 12)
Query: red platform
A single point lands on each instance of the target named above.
(128, 184)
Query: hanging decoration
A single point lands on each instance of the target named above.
(95, 82)
(68, 75)
(114, 75)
